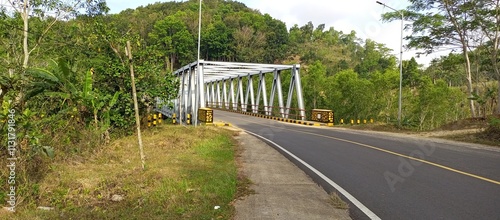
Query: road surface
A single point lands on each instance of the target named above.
(388, 176)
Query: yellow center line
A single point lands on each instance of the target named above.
(389, 152)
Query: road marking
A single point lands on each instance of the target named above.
(404, 156)
(351, 198)
(393, 153)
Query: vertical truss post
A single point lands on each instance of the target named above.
(262, 90)
(197, 92)
(224, 94)
(182, 97)
(212, 91)
(191, 90)
(239, 99)
(277, 87)
(250, 94)
(273, 93)
(300, 98)
(231, 93)
(280, 93)
(290, 94)
(207, 94)
(219, 98)
(201, 84)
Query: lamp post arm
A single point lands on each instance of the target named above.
(398, 11)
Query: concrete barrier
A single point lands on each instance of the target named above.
(323, 115)
(206, 115)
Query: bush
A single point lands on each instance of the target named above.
(493, 130)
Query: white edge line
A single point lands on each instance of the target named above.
(351, 198)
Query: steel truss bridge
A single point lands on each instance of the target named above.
(231, 86)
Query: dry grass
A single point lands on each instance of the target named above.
(188, 172)
(337, 202)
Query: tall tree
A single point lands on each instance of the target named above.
(59, 9)
(438, 24)
(487, 16)
(411, 72)
(172, 36)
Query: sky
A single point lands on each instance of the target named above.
(362, 16)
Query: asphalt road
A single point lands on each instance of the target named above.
(393, 176)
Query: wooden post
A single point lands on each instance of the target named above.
(136, 107)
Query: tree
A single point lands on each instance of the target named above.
(171, 36)
(216, 42)
(486, 16)
(351, 96)
(441, 23)
(60, 10)
(411, 72)
(374, 57)
(315, 78)
(249, 45)
(276, 39)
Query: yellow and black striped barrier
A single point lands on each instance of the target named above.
(188, 119)
(174, 118)
(155, 119)
(357, 121)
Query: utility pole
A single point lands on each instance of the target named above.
(400, 61)
(199, 86)
(136, 106)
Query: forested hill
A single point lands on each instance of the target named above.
(233, 32)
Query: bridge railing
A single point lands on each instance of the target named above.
(293, 113)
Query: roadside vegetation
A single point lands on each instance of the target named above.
(189, 172)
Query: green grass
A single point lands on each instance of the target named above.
(188, 172)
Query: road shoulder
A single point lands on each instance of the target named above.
(282, 190)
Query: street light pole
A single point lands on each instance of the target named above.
(400, 62)
(199, 83)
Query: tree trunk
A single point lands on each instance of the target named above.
(172, 62)
(136, 106)
(95, 120)
(167, 63)
(498, 97)
(494, 58)
(470, 88)
(25, 17)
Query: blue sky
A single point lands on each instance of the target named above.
(362, 16)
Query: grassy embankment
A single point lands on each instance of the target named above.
(188, 172)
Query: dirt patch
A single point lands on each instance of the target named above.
(243, 185)
(465, 124)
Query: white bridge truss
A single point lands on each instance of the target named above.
(230, 85)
